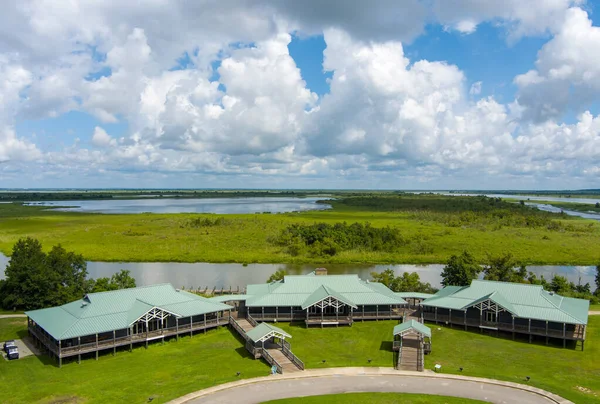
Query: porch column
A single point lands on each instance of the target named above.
(546, 332)
(205, 322)
(583, 336)
(146, 333)
(131, 339)
(513, 327)
(114, 343)
(450, 317)
(291, 312)
(465, 320)
(564, 335)
(529, 330)
(277, 312)
(79, 350)
(376, 311)
(177, 327)
(96, 346)
(480, 316)
(59, 354)
(436, 314)
(363, 313)
(262, 310)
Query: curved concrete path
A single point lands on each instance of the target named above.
(353, 380)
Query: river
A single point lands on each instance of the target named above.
(202, 274)
(188, 205)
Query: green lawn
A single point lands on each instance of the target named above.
(162, 372)
(375, 398)
(177, 368)
(12, 328)
(594, 307)
(244, 238)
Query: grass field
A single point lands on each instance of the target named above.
(176, 368)
(12, 328)
(374, 398)
(162, 372)
(243, 238)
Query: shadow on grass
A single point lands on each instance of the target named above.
(386, 346)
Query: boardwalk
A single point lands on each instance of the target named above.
(276, 354)
(410, 356)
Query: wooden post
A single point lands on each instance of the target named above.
(146, 333)
(205, 322)
(262, 310)
(465, 320)
(450, 317)
(564, 336)
(177, 327)
(513, 327)
(191, 326)
(436, 315)
(114, 343)
(96, 346)
(78, 350)
(363, 313)
(59, 354)
(291, 313)
(529, 330)
(546, 332)
(376, 312)
(277, 312)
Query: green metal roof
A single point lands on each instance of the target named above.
(414, 295)
(264, 331)
(228, 298)
(295, 290)
(106, 311)
(412, 325)
(521, 300)
(323, 292)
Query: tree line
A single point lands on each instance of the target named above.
(461, 269)
(35, 279)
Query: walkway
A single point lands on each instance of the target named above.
(347, 380)
(13, 316)
(279, 355)
(408, 358)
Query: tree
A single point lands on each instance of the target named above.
(560, 284)
(386, 277)
(35, 279)
(277, 276)
(460, 270)
(503, 268)
(407, 282)
(597, 280)
(123, 280)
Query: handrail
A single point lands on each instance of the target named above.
(270, 360)
(238, 328)
(251, 320)
(290, 355)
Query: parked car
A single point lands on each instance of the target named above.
(13, 353)
(9, 344)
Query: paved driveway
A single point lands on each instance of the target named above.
(286, 388)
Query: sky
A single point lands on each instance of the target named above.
(412, 94)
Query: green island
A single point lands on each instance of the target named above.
(205, 360)
(375, 398)
(427, 229)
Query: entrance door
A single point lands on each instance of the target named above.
(490, 317)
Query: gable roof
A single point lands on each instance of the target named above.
(412, 325)
(305, 290)
(323, 292)
(264, 331)
(114, 310)
(521, 300)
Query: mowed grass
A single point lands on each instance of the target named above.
(244, 238)
(343, 346)
(375, 398)
(571, 373)
(162, 372)
(12, 328)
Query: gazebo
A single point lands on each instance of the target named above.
(412, 328)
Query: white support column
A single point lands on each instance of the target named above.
(96, 346)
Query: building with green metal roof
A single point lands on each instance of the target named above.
(512, 307)
(320, 299)
(107, 320)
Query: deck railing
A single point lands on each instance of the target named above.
(286, 349)
(236, 326)
(576, 334)
(271, 361)
(251, 320)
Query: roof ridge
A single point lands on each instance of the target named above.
(558, 307)
(504, 283)
(129, 289)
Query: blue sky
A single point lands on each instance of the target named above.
(426, 96)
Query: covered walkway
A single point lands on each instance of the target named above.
(412, 340)
(269, 342)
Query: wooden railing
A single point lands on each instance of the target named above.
(251, 320)
(271, 361)
(420, 358)
(399, 361)
(286, 349)
(236, 326)
(456, 320)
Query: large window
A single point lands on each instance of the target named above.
(490, 317)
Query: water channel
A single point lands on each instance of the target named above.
(202, 274)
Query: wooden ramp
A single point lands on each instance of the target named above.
(287, 365)
(409, 355)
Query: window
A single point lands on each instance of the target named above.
(490, 317)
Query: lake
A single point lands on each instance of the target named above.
(188, 205)
(202, 274)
